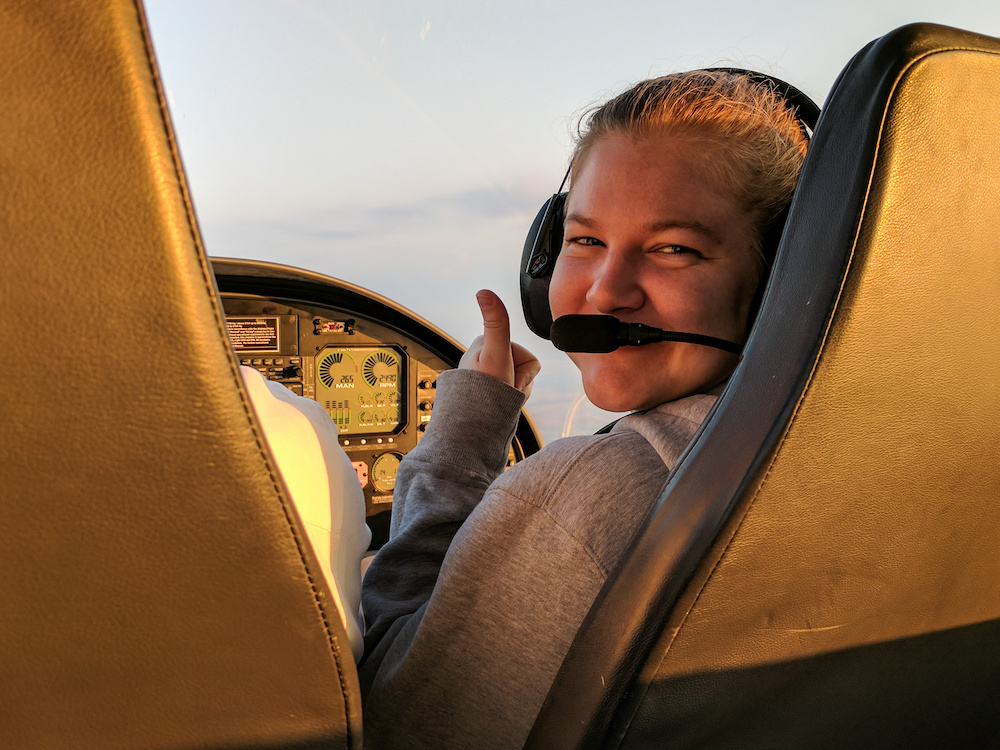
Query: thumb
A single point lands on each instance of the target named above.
(495, 357)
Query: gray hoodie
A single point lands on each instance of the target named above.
(473, 603)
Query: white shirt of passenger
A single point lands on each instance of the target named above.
(323, 486)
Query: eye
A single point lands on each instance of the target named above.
(585, 241)
(676, 250)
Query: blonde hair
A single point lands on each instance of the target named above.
(760, 141)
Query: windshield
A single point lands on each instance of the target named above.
(406, 147)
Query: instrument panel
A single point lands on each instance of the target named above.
(371, 363)
(360, 387)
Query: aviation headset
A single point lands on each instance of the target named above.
(545, 238)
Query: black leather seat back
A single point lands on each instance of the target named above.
(156, 587)
(824, 570)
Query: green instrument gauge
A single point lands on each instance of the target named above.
(360, 387)
(383, 474)
(337, 370)
(381, 369)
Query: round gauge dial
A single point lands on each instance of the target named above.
(380, 369)
(384, 470)
(337, 370)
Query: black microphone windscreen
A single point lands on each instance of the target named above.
(596, 334)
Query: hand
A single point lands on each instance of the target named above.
(494, 354)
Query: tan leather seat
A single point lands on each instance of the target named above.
(157, 588)
(824, 569)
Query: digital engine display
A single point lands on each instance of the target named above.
(360, 387)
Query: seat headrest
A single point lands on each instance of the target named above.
(157, 586)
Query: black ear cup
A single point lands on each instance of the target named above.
(541, 248)
(545, 238)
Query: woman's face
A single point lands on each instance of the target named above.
(650, 240)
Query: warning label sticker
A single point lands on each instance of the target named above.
(253, 334)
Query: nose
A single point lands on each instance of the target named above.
(616, 285)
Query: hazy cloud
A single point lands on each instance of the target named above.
(468, 207)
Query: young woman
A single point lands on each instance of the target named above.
(472, 605)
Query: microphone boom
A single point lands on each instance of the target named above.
(600, 334)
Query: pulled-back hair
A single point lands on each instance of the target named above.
(759, 143)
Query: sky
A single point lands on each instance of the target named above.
(406, 146)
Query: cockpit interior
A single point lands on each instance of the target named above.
(822, 569)
(371, 363)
